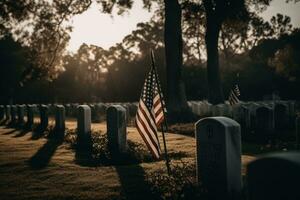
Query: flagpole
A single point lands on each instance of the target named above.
(165, 115)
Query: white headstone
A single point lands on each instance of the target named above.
(264, 119)
(7, 112)
(274, 176)
(227, 110)
(21, 114)
(116, 129)
(60, 117)
(281, 117)
(44, 112)
(13, 114)
(298, 132)
(30, 116)
(218, 141)
(245, 118)
(2, 112)
(84, 123)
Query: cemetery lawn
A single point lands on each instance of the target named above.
(61, 176)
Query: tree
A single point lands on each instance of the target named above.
(216, 13)
(176, 97)
(13, 63)
(48, 21)
(281, 54)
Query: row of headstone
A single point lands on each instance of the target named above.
(116, 122)
(265, 116)
(218, 155)
(116, 127)
(98, 110)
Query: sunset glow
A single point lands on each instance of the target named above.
(104, 30)
(94, 27)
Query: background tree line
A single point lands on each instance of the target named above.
(200, 48)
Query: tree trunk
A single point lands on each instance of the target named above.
(213, 26)
(176, 97)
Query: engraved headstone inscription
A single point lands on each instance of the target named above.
(218, 143)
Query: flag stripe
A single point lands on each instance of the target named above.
(159, 120)
(147, 115)
(156, 100)
(148, 140)
(148, 130)
(233, 95)
(150, 147)
(150, 113)
(157, 109)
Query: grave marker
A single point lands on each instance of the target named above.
(298, 132)
(116, 129)
(218, 143)
(133, 107)
(2, 112)
(60, 116)
(84, 124)
(13, 114)
(30, 116)
(7, 112)
(274, 176)
(44, 113)
(281, 116)
(264, 119)
(21, 114)
(246, 118)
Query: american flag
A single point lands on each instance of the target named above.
(234, 94)
(150, 113)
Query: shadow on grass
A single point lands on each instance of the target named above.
(43, 156)
(9, 132)
(38, 132)
(11, 124)
(131, 174)
(3, 122)
(22, 133)
(97, 153)
(133, 182)
(83, 155)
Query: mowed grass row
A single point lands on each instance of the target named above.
(63, 176)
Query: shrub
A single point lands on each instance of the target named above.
(180, 184)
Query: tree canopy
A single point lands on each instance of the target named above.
(34, 35)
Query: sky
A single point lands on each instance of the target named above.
(94, 27)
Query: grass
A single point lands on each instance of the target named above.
(46, 168)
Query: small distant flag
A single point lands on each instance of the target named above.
(233, 95)
(150, 113)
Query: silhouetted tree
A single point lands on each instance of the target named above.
(176, 97)
(13, 63)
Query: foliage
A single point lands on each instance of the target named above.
(180, 184)
(44, 26)
(100, 154)
(94, 74)
(285, 60)
(13, 63)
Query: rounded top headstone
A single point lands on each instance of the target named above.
(83, 107)
(59, 106)
(225, 121)
(116, 107)
(287, 157)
